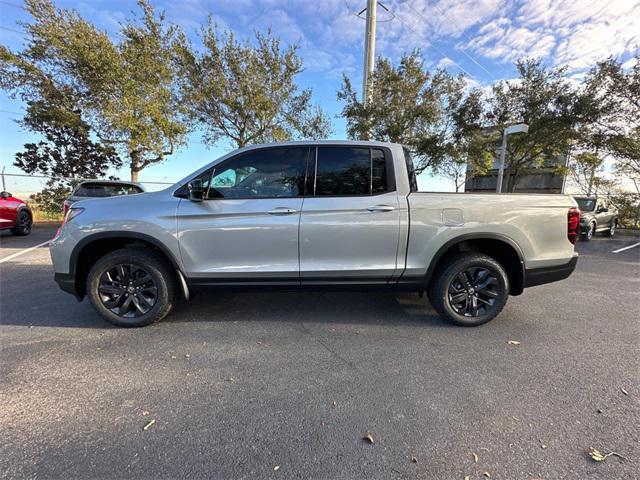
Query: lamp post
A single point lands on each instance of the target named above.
(518, 128)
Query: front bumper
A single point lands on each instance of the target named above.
(540, 276)
(67, 283)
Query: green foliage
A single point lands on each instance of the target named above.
(247, 93)
(51, 199)
(431, 113)
(585, 169)
(127, 90)
(543, 99)
(628, 205)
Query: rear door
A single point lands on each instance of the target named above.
(246, 229)
(349, 228)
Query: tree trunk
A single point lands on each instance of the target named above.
(134, 166)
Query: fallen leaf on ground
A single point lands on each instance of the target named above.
(231, 379)
(334, 404)
(514, 342)
(599, 410)
(475, 457)
(598, 456)
(149, 425)
(186, 355)
(276, 468)
(173, 357)
(486, 474)
(414, 459)
(145, 413)
(467, 477)
(624, 391)
(368, 437)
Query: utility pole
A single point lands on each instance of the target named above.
(369, 49)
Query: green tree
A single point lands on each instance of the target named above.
(247, 93)
(543, 99)
(585, 169)
(65, 152)
(618, 97)
(430, 112)
(127, 89)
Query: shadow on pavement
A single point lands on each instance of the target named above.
(31, 298)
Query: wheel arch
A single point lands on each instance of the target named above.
(501, 247)
(94, 246)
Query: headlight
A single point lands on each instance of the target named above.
(72, 213)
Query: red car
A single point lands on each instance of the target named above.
(15, 214)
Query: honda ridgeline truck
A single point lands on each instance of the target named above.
(312, 215)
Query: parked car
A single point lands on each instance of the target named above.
(15, 215)
(101, 189)
(596, 215)
(312, 215)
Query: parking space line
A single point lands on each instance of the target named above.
(21, 252)
(625, 248)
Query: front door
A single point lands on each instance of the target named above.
(246, 228)
(350, 223)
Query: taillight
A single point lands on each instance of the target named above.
(573, 224)
(65, 207)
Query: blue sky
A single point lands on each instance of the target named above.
(481, 38)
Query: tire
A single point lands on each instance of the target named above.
(612, 229)
(445, 288)
(132, 287)
(24, 223)
(588, 235)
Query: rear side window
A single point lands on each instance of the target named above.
(350, 171)
(106, 189)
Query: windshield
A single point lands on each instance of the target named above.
(586, 204)
(106, 189)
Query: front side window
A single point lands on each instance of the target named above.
(269, 173)
(350, 171)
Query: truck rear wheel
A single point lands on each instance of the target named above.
(469, 289)
(131, 287)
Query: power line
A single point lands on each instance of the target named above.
(443, 13)
(432, 45)
(12, 4)
(21, 32)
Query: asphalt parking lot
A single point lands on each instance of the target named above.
(283, 385)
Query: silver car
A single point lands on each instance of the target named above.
(331, 214)
(101, 189)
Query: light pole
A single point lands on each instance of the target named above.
(519, 128)
(369, 48)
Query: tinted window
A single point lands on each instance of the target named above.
(344, 171)
(271, 173)
(106, 189)
(586, 204)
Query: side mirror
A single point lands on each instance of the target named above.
(5, 194)
(196, 192)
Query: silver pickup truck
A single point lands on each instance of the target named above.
(331, 214)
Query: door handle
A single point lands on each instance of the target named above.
(381, 208)
(282, 211)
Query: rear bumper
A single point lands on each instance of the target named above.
(67, 283)
(540, 276)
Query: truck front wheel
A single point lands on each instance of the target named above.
(469, 289)
(131, 287)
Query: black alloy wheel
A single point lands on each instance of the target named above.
(127, 290)
(132, 287)
(23, 224)
(469, 289)
(473, 292)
